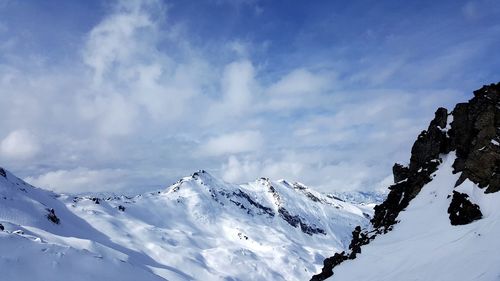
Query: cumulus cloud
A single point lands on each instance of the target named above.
(237, 142)
(105, 46)
(19, 145)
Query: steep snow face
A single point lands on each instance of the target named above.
(425, 246)
(36, 248)
(200, 228)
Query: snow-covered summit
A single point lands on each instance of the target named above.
(200, 228)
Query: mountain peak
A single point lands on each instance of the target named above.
(262, 224)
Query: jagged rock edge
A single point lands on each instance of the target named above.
(473, 134)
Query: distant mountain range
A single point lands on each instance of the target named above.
(438, 221)
(200, 228)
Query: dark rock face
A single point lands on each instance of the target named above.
(293, 220)
(2, 173)
(358, 239)
(462, 211)
(1, 227)
(400, 172)
(328, 265)
(296, 221)
(430, 143)
(51, 216)
(424, 161)
(474, 134)
(121, 208)
(240, 194)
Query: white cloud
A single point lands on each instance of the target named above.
(115, 39)
(19, 145)
(244, 141)
(79, 179)
(236, 170)
(131, 74)
(238, 86)
(311, 169)
(299, 89)
(139, 96)
(301, 82)
(113, 114)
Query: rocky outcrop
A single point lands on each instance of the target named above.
(51, 216)
(2, 173)
(293, 220)
(241, 194)
(359, 239)
(462, 211)
(475, 135)
(400, 172)
(328, 265)
(297, 221)
(473, 131)
(424, 161)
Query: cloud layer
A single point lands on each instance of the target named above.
(140, 93)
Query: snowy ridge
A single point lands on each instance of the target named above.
(440, 218)
(200, 228)
(425, 246)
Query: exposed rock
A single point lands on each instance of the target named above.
(2, 173)
(473, 134)
(261, 209)
(400, 172)
(328, 265)
(296, 221)
(52, 216)
(121, 208)
(358, 239)
(462, 211)
(1, 227)
(423, 162)
(440, 118)
(430, 143)
(299, 186)
(96, 200)
(312, 197)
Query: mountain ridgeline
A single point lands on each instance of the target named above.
(200, 228)
(472, 133)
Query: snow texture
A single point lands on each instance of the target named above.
(200, 228)
(425, 246)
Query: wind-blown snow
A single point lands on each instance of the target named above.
(200, 228)
(425, 246)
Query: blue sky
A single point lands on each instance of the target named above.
(131, 95)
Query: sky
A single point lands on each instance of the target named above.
(128, 96)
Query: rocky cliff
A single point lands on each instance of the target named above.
(472, 131)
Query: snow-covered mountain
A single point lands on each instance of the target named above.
(200, 228)
(441, 218)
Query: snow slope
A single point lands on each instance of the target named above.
(425, 246)
(200, 228)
